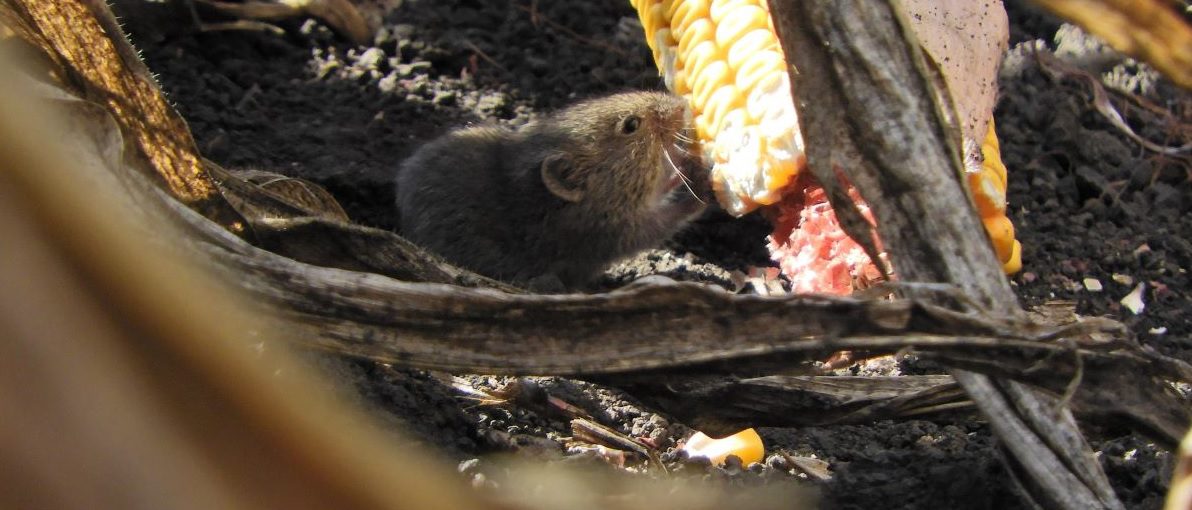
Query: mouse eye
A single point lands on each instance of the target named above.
(630, 124)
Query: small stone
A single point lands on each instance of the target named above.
(404, 70)
(371, 58)
(1092, 285)
(778, 462)
(469, 466)
(326, 68)
(697, 462)
(1123, 279)
(1133, 300)
(421, 66)
(388, 84)
(732, 465)
(382, 36)
(495, 104)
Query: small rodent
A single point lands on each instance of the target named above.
(554, 203)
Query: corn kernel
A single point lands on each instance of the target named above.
(756, 41)
(714, 76)
(737, 23)
(1014, 265)
(1001, 233)
(757, 67)
(687, 12)
(987, 193)
(722, 8)
(746, 445)
(695, 33)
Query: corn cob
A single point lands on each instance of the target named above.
(987, 181)
(724, 57)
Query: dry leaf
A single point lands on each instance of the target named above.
(966, 40)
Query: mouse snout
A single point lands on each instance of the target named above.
(675, 121)
(676, 112)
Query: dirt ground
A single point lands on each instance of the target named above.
(1087, 201)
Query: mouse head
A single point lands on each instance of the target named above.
(628, 153)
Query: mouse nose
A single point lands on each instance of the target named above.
(676, 103)
(676, 112)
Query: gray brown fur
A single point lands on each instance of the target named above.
(559, 200)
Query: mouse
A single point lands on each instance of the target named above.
(552, 204)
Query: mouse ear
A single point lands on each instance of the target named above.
(559, 176)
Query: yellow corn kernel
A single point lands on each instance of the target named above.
(722, 8)
(988, 186)
(752, 43)
(991, 152)
(756, 68)
(726, 99)
(737, 23)
(686, 13)
(699, 31)
(988, 193)
(653, 19)
(681, 84)
(1014, 265)
(699, 57)
(669, 7)
(746, 445)
(1001, 233)
(715, 75)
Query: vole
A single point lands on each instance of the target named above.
(554, 203)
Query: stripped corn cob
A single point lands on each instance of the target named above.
(724, 57)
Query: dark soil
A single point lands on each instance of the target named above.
(1087, 202)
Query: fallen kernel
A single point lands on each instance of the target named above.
(746, 445)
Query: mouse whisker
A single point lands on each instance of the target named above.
(682, 177)
(675, 167)
(683, 149)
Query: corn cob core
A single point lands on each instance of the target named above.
(811, 248)
(724, 57)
